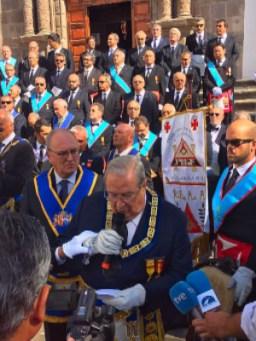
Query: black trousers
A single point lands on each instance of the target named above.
(55, 331)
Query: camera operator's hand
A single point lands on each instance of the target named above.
(107, 242)
(78, 244)
(242, 281)
(128, 298)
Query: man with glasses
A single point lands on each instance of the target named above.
(152, 254)
(135, 56)
(234, 207)
(89, 74)
(58, 78)
(53, 197)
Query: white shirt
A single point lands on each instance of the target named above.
(7, 140)
(243, 169)
(89, 70)
(199, 36)
(73, 93)
(248, 320)
(119, 68)
(155, 41)
(71, 181)
(132, 226)
(215, 150)
(141, 94)
(37, 152)
(180, 93)
(124, 152)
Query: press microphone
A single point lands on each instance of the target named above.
(184, 298)
(207, 298)
(119, 225)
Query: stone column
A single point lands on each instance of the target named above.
(184, 8)
(165, 10)
(28, 17)
(43, 14)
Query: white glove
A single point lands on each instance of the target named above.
(216, 91)
(107, 242)
(242, 281)
(128, 298)
(78, 244)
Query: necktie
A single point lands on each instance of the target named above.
(172, 51)
(7, 81)
(31, 74)
(1, 147)
(58, 73)
(154, 44)
(138, 98)
(104, 98)
(231, 181)
(219, 41)
(132, 123)
(212, 128)
(64, 190)
(71, 97)
(85, 74)
(39, 97)
(148, 71)
(41, 156)
(177, 99)
(200, 40)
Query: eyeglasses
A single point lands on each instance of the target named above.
(238, 142)
(6, 102)
(125, 197)
(199, 25)
(39, 84)
(101, 82)
(59, 60)
(214, 114)
(65, 153)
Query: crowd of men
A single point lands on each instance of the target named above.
(79, 148)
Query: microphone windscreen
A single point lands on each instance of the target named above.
(199, 281)
(183, 296)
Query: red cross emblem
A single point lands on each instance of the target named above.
(167, 127)
(194, 123)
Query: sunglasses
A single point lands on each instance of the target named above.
(199, 25)
(39, 84)
(214, 114)
(238, 142)
(6, 102)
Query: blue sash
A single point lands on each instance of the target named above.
(11, 61)
(5, 89)
(215, 74)
(36, 106)
(15, 114)
(147, 145)
(64, 124)
(120, 81)
(221, 206)
(93, 137)
(57, 214)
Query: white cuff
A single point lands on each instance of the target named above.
(59, 259)
(248, 320)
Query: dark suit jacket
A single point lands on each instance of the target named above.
(20, 107)
(156, 81)
(136, 60)
(232, 51)
(112, 108)
(96, 164)
(220, 140)
(69, 60)
(224, 71)
(169, 98)
(194, 46)
(46, 111)
(169, 61)
(98, 60)
(24, 64)
(90, 84)
(25, 81)
(103, 144)
(60, 81)
(126, 74)
(20, 124)
(163, 42)
(149, 108)
(79, 106)
(106, 61)
(16, 167)
(193, 74)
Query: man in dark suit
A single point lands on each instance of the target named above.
(147, 101)
(192, 73)
(55, 44)
(110, 99)
(171, 54)
(157, 41)
(41, 100)
(91, 49)
(107, 57)
(19, 103)
(63, 118)
(58, 79)
(223, 37)
(132, 112)
(121, 74)
(20, 122)
(28, 77)
(99, 132)
(89, 74)
(197, 42)
(16, 159)
(135, 56)
(178, 96)
(77, 98)
(154, 76)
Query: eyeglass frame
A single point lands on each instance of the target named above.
(125, 197)
(65, 153)
(237, 142)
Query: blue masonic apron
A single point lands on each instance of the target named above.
(11, 61)
(222, 205)
(36, 106)
(65, 123)
(93, 137)
(6, 88)
(147, 145)
(119, 80)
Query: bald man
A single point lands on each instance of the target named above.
(233, 207)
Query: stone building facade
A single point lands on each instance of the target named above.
(75, 20)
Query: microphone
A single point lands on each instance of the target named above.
(184, 298)
(118, 224)
(207, 298)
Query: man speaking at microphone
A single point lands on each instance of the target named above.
(151, 256)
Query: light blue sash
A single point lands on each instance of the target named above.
(11, 61)
(215, 74)
(147, 145)
(93, 137)
(64, 124)
(120, 81)
(15, 114)
(36, 106)
(221, 206)
(5, 89)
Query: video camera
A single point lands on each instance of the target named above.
(91, 320)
